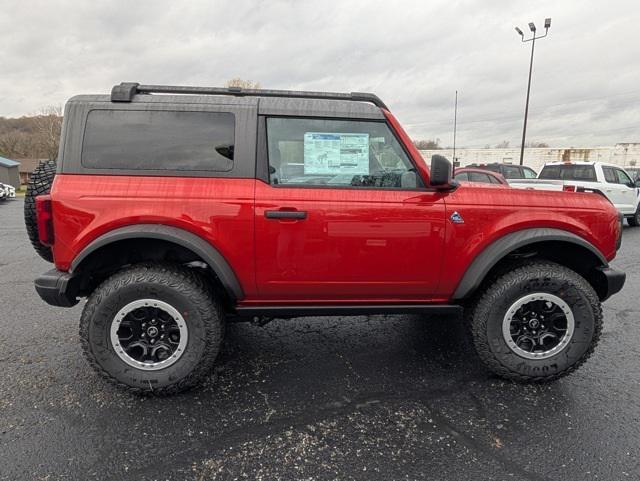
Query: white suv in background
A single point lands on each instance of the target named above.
(609, 180)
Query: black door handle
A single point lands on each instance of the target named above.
(285, 214)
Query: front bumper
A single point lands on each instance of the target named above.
(58, 288)
(611, 282)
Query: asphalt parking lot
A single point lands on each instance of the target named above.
(382, 397)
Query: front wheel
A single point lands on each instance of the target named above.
(537, 323)
(152, 329)
(634, 220)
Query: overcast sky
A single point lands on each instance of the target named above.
(413, 54)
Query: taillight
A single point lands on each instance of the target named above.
(569, 188)
(44, 215)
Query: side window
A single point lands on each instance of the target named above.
(340, 153)
(623, 178)
(159, 140)
(494, 180)
(464, 177)
(550, 172)
(478, 177)
(610, 175)
(529, 173)
(511, 172)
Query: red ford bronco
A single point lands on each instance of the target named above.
(173, 214)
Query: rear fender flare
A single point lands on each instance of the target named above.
(209, 254)
(497, 250)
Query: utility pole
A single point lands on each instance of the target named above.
(532, 27)
(455, 124)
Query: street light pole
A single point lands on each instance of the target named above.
(532, 27)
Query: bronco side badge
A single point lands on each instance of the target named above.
(456, 218)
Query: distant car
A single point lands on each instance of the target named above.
(508, 171)
(466, 174)
(609, 180)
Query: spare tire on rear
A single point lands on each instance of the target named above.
(39, 184)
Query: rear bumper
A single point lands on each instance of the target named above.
(612, 282)
(57, 288)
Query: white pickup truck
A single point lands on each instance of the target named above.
(609, 180)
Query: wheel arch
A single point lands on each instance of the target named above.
(156, 241)
(556, 245)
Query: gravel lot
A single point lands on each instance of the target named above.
(382, 397)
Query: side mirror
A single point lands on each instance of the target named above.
(636, 183)
(441, 171)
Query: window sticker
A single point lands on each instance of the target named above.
(336, 153)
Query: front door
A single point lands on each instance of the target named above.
(619, 189)
(342, 216)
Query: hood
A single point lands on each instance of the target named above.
(489, 194)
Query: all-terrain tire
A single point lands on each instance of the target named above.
(634, 220)
(180, 287)
(487, 313)
(39, 184)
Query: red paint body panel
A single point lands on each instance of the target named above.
(218, 210)
(354, 243)
(491, 211)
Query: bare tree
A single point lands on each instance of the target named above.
(47, 126)
(503, 145)
(245, 84)
(427, 144)
(536, 144)
(13, 144)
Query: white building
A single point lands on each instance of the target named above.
(626, 155)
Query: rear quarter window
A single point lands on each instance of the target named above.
(584, 173)
(511, 172)
(159, 140)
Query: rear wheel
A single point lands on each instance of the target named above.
(39, 184)
(152, 329)
(537, 323)
(634, 220)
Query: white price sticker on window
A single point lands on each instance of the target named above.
(336, 153)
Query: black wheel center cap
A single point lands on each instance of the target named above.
(534, 323)
(152, 331)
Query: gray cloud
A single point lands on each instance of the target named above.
(414, 54)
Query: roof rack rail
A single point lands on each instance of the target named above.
(127, 90)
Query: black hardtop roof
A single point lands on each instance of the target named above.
(126, 91)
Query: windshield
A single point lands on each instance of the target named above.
(568, 172)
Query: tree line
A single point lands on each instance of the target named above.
(31, 137)
(434, 144)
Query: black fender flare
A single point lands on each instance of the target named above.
(209, 254)
(498, 249)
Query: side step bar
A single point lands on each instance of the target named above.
(339, 310)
